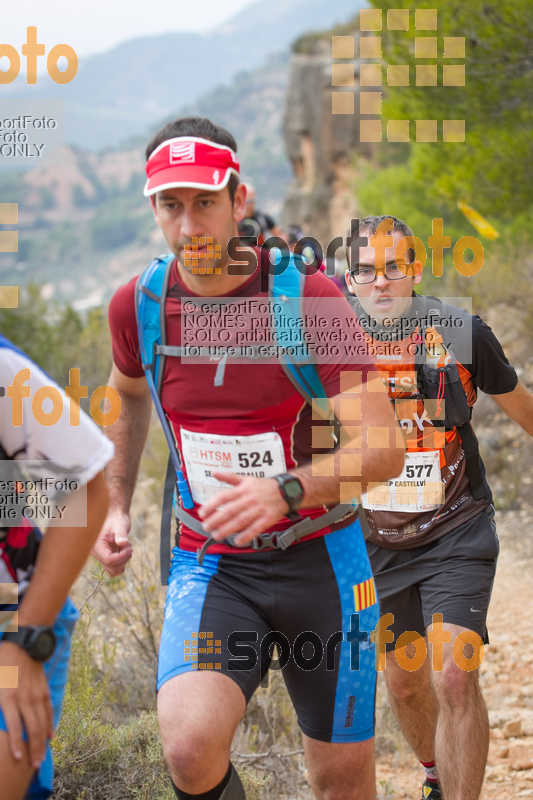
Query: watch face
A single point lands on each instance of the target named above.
(293, 488)
(41, 644)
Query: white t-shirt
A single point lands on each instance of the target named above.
(55, 457)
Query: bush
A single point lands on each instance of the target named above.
(98, 759)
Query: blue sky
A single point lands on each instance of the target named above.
(93, 26)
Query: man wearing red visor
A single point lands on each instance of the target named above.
(254, 464)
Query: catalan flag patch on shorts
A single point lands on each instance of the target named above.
(364, 594)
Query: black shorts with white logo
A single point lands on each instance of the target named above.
(452, 576)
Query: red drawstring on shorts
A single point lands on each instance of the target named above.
(440, 395)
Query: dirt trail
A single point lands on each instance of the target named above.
(506, 677)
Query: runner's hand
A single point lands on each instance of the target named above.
(251, 507)
(112, 548)
(28, 706)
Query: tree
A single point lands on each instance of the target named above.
(58, 338)
(493, 167)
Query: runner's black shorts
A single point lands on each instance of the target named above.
(316, 600)
(452, 576)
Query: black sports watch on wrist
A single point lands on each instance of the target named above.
(292, 492)
(39, 641)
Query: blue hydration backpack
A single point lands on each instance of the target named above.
(287, 288)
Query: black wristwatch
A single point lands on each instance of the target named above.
(39, 641)
(292, 492)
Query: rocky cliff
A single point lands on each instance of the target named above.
(320, 145)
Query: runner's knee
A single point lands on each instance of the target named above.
(454, 685)
(186, 753)
(401, 683)
(341, 771)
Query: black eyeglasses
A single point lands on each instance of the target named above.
(393, 272)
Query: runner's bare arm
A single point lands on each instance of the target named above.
(62, 554)
(518, 405)
(371, 447)
(128, 433)
(370, 452)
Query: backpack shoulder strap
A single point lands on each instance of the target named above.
(286, 292)
(432, 309)
(150, 298)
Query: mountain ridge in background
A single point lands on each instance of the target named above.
(116, 94)
(85, 227)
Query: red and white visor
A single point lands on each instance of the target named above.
(189, 161)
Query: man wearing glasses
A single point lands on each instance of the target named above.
(431, 533)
